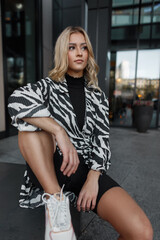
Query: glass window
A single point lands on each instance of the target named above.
(117, 3)
(19, 47)
(117, 33)
(156, 13)
(124, 33)
(135, 15)
(146, 14)
(123, 92)
(125, 17)
(20, 43)
(148, 64)
(147, 82)
(156, 31)
(145, 32)
(146, 1)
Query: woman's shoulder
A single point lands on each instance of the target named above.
(50, 82)
(47, 80)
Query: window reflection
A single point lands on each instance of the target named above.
(145, 32)
(146, 14)
(146, 79)
(125, 17)
(146, 1)
(20, 43)
(124, 88)
(117, 3)
(156, 32)
(123, 33)
(126, 34)
(15, 70)
(156, 13)
(14, 40)
(148, 73)
(148, 64)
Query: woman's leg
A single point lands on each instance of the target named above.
(37, 149)
(118, 208)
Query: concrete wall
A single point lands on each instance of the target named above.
(2, 105)
(99, 26)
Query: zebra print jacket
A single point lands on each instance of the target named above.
(47, 98)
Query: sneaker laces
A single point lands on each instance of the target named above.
(57, 207)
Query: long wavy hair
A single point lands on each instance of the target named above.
(61, 57)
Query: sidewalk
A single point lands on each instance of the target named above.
(135, 165)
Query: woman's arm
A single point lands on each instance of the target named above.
(70, 157)
(46, 123)
(100, 156)
(29, 101)
(28, 107)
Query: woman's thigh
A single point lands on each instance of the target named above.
(117, 207)
(36, 147)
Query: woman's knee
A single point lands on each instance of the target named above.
(142, 230)
(147, 231)
(29, 140)
(117, 207)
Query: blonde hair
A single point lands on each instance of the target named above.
(61, 57)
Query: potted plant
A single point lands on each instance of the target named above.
(142, 114)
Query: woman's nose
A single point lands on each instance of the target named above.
(79, 51)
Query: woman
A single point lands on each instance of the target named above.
(66, 115)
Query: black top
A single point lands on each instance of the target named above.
(77, 96)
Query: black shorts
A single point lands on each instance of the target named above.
(75, 182)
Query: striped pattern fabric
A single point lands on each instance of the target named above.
(31, 196)
(47, 98)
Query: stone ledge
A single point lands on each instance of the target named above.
(88, 226)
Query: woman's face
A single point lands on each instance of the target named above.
(77, 55)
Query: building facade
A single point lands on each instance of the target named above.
(123, 34)
(135, 59)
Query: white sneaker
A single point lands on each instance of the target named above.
(58, 218)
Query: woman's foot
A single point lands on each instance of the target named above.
(58, 218)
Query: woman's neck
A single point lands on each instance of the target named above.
(75, 82)
(75, 74)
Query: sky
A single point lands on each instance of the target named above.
(148, 63)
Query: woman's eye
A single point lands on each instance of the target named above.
(84, 48)
(71, 47)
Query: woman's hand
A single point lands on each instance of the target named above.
(70, 157)
(88, 194)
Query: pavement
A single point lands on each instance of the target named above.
(135, 166)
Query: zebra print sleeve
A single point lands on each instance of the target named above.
(101, 154)
(29, 101)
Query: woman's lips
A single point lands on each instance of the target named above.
(79, 61)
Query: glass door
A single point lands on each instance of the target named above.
(123, 92)
(19, 42)
(20, 47)
(148, 77)
(130, 85)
